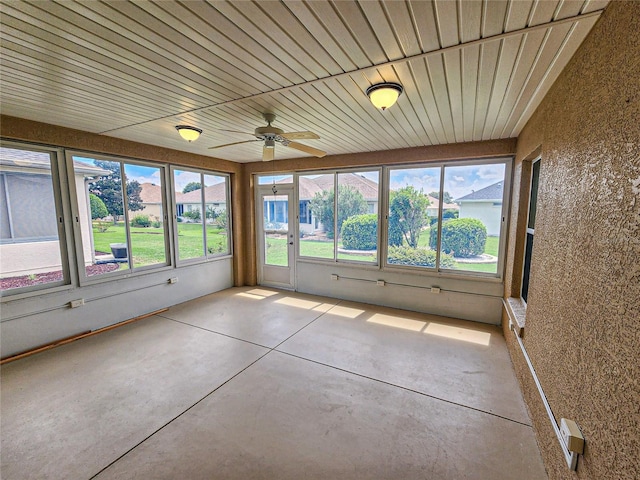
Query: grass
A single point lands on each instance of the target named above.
(148, 244)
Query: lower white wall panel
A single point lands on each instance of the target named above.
(34, 321)
(476, 299)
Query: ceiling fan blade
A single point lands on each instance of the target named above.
(300, 135)
(236, 131)
(267, 153)
(234, 143)
(307, 149)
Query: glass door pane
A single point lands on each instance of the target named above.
(276, 229)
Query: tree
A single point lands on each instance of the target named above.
(98, 208)
(191, 186)
(109, 189)
(447, 196)
(407, 216)
(350, 202)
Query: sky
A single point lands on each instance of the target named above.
(458, 180)
(144, 174)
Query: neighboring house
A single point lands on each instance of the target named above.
(28, 220)
(485, 205)
(151, 196)
(434, 204)
(215, 196)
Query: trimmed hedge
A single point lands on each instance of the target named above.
(140, 221)
(360, 232)
(420, 257)
(462, 237)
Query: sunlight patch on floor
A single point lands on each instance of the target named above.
(262, 292)
(250, 295)
(346, 312)
(458, 333)
(297, 302)
(398, 322)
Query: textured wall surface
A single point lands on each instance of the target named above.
(584, 299)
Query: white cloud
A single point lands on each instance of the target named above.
(458, 178)
(181, 178)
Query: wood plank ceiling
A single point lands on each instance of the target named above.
(471, 69)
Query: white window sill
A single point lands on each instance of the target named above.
(517, 311)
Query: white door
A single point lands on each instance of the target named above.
(276, 246)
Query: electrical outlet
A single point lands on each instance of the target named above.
(334, 277)
(173, 280)
(571, 436)
(76, 303)
(435, 289)
(380, 283)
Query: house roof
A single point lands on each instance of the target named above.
(151, 193)
(435, 203)
(368, 188)
(492, 193)
(30, 160)
(216, 193)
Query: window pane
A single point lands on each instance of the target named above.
(189, 214)
(217, 221)
(358, 216)
(474, 238)
(29, 243)
(104, 234)
(271, 179)
(413, 208)
(276, 229)
(146, 215)
(316, 215)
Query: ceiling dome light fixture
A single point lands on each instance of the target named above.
(383, 95)
(188, 133)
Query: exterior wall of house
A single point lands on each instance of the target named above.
(152, 210)
(582, 316)
(488, 213)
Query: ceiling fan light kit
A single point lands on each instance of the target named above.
(188, 133)
(384, 95)
(270, 135)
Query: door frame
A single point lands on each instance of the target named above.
(263, 273)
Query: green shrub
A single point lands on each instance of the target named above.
(98, 208)
(193, 215)
(420, 257)
(360, 232)
(140, 221)
(156, 224)
(463, 237)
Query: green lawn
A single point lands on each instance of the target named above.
(277, 251)
(148, 247)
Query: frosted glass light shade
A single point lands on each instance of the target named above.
(383, 95)
(188, 133)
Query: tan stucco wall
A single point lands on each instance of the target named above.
(584, 299)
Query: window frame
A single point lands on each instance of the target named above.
(62, 207)
(336, 172)
(499, 275)
(530, 229)
(129, 272)
(205, 257)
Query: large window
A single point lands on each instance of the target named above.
(447, 217)
(202, 219)
(531, 222)
(32, 253)
(122, 215)
(339, 227)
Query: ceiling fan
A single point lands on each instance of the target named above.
(270, 135)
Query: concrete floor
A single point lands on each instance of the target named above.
(254, 383)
